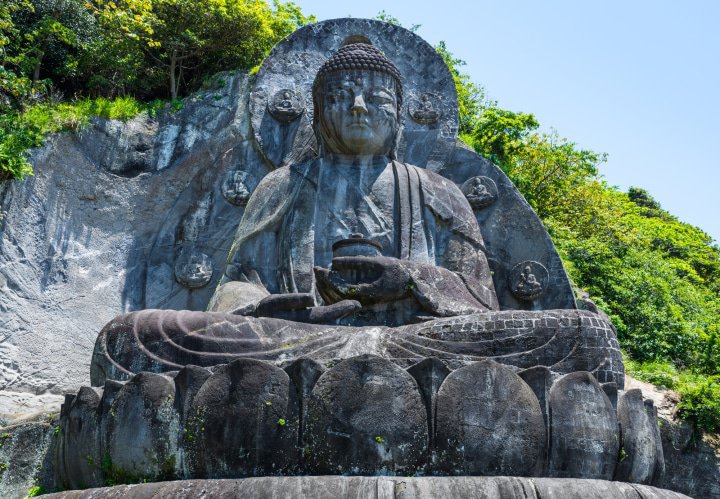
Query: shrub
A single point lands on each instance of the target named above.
(700, 401)
(657, 372)
(26, 129)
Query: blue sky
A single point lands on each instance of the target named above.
(637, 79)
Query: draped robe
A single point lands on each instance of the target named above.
(427, 223)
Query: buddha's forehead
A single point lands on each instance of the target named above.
(361, 78)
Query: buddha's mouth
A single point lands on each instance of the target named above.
(359, 124)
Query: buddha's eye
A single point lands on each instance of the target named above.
(339, 94)
(380, 98)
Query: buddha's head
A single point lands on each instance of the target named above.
(357, 96)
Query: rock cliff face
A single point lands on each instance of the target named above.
(115, 218)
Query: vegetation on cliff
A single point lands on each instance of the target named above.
(657, 278)
(62, 61)
(58, 57)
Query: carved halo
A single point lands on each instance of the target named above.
(293, 63)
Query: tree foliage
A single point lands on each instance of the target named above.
(147, 48)
(181, 41)
(54, 49)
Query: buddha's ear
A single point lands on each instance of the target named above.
(397, 139)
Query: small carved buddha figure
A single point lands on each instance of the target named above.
(528, 283)
(286, 101)
(425, 111)
(237, 192)
(479, 189)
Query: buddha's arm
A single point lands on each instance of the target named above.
(251, 264)
(250, 285)
(461, 278)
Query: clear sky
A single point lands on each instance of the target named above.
(637, 79)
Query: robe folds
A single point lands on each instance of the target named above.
(433, 228)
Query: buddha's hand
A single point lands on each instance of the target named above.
(367, 279)
(300, 307)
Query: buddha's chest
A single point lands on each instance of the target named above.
(352, 201)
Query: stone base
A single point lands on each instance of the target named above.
(331, 487)
(364, 416)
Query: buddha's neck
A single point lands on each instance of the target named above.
(355, 161)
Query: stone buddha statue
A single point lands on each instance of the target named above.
(300, 281)
(373, 316)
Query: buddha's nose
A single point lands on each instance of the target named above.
(359, 106)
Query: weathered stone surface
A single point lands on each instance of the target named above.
(187, 384)
(611, 390)
(331, 487)
(20, 407)
(26, 456)
(143, 428)
(638, 455)
(562, 340)
(98, 228)
(488, 422)
(243, 422)
(303, 373)
(366, 415)
(429, 375)
(540, 380)
(659, 471)
(79, 450)
(584, 437)
(692, 464)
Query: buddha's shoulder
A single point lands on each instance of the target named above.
(431, 179)
(283, 177)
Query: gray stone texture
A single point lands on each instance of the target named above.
(430, 374)
(143, 427)
(27, 452)
(540, 380)
(243, 422)
(584, 436)
(362, 415)
(79, 455)
(638, 431)
(366, 416)
(488, 422)
(98, 229)
(331, 487)
(561, 340)
(692, 463)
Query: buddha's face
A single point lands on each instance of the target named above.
(358, 113)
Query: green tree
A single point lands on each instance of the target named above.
(191, 38)
(471, 97)
(46, 38)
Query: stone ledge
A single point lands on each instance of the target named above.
(331, 487)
